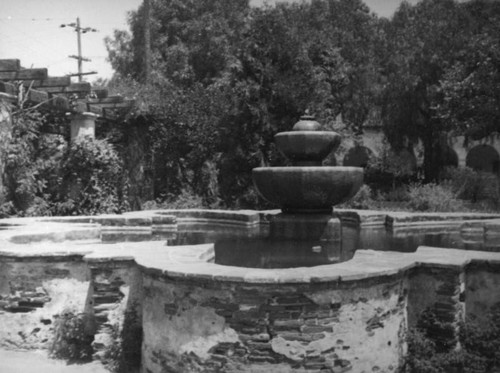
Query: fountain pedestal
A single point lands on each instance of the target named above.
(321, 232)
(309, 227)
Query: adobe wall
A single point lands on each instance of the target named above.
(201, 325)
(34, 293)
(173, 309)
(207, 326)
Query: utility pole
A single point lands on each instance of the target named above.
(79, 31)
(147, 40)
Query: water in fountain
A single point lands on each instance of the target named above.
(307, 232)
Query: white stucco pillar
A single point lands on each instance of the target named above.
(83, 124)
(457, 144)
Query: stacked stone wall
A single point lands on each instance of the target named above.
(436, 303)
(116, 299)
(22, 279)
(482, 300)
(35, 292)
(205, 326)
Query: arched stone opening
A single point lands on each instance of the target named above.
(483, 158)
(359, 156)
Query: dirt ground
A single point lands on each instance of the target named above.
(38, 362)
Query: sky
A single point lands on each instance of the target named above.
(30, 31)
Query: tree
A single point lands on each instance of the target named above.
(190, 39)
(423, 41)
(471, 86)
(227, 78)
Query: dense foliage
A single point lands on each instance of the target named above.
(46, 176)
(478, 352)
(225, 77)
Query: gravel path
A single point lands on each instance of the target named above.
(38, 362)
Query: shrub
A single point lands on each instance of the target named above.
(432, 197)
(72, 339)
(399, 194)
(362, 200)
(31, 168)
(92, 180)
(479, 349)
(7, 209)
(473, 185)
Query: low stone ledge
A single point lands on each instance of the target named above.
(69, 219)
(243, 217)
(414, 218)
(127, 229)
(59, 234)
(109, 261)
(492, 227)
(120, 221)
(194, 261)
(363, 218)
(365, 265)
(49, 257)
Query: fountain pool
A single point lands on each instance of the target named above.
(175, 308)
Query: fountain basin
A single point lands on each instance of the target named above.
(308, 148)
(191, 312)
(307, 189)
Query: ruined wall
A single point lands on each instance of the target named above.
(206, 326)
(34, 292)
(116, 301)
(437, 292)
(482, 291)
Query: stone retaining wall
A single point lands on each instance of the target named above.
(22, 279)
(482, 290)
(199, 324)
(437, 293)
(206, 326)
(116, 298)
(196, 316)
(35, 292)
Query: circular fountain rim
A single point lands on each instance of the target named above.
(308, 133)
(192, 262)
(315, 169)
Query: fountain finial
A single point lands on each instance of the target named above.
(307, 122)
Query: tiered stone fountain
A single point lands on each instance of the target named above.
(307, 191)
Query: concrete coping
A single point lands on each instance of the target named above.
(31, 237)
(194, 262)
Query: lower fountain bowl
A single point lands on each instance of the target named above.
(307, 189)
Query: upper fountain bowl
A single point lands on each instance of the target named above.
(307, 148)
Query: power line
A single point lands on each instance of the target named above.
(29, 18)
(79, 31)
(22, 33)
